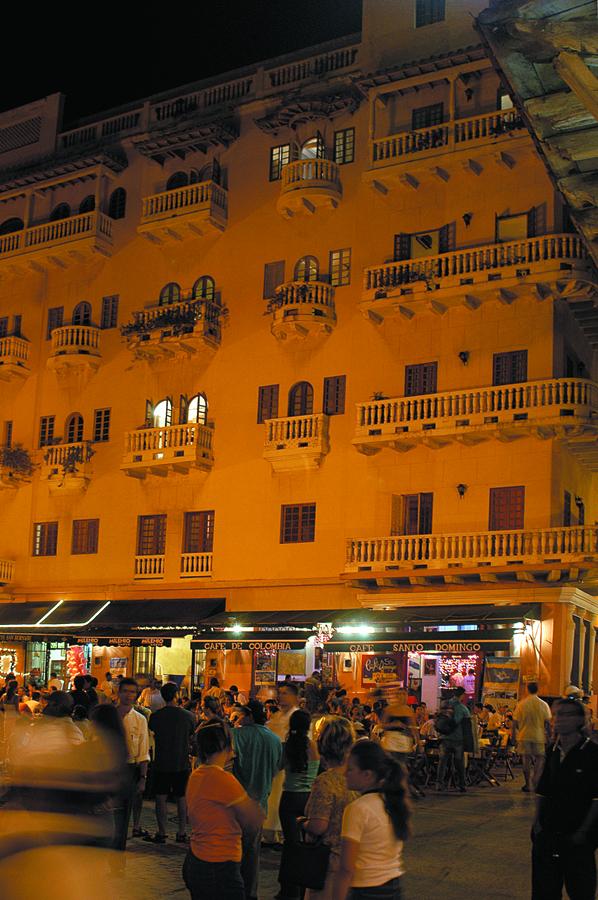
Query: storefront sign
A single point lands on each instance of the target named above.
(423, 646)
(380, 667)
(124, 641)
(249, 644)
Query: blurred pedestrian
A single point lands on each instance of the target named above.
(137, 738)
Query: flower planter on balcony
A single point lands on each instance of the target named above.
(173, 448)
(58, 243)
(191, 327)
(561, 407)
(543, 554)
(297, 442)
(308, 185)
(75, 352)
(302, 311)
(7, 571)
(14, 356)
(67, 467)
(551, 265)
(185, 212)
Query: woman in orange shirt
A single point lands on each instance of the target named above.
(219, 812)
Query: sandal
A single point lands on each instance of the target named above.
(140, 832)
(156, 839)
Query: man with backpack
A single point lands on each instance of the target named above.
(453, 725)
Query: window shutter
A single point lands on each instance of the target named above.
(273, 276)
(333, 402)
(168, 416)
(410, 514)
(320, 146)
(507, 505)
(16, 326)
(294, 151)
(509, 368)
(396, 510)
(216, 171)
(425, 513)
(402, 246)
(149, 412)
(447, 238)
(267, 402)
(55, 319)
(567, 509)
(429, 378)
(3, 326)
(531, 222)
(183, 409)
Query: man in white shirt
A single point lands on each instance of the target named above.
(56, 682)
(137, 737)
(279, 724)
(531, 726)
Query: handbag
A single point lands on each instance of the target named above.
(305, 865)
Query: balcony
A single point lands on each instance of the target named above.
(308, 185)
(434, 149)
(173, 448)
(297, 442)
(149, 566)
(185, 212)
(196, 565)
(553, 265)
(565, 408)
(190, 327)
(71, 240)
(67, 467)
(75, 351)
(7, 571)
(302, 311)
(14, 356)
(545, 555)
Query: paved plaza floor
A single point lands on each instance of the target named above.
(473, 845)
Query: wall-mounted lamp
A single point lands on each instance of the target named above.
(461, 489)
(467, 217)
(464, 356)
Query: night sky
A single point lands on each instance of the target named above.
(109, 60)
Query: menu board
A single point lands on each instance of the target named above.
(381, 668)
(264, 668)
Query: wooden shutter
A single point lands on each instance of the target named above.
(567, 509)
(509, 368)
(531, 222)
(410, 514)
(16, 326)
(55, 319)
(216, 171)
(507, 506)
(425, 513)
(273, 276)
(333, 403)
(149, 412)
(267, 402)
(168, 416)
(402, 248)
(183, 408)
(447, 238)
(320, 146)
(3, 326)
(421, 379)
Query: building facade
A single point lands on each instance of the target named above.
(296, 361)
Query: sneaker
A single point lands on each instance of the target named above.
(156, 839)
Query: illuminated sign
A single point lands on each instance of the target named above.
(249, 644)
(123, 641)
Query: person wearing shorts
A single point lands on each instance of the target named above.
(531, 722)
(172, 727)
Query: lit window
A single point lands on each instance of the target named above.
(279, 158)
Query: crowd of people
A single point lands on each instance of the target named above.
(321, 775)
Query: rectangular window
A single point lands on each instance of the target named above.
(151, 535)
(333, 403)
(3, 326)
(279, 157)
(509, 368)
(344, 146)
(109, 318)
(506, 508)
(273, 276)
(198, 532)
(85, 536)
(428, 12)
(101, 425)
(267, 402)
(417, 513)
(567, 509)
(297, 523)
(7, 436)
(45, 538)
(340, 267)
(46, 430)
(421, 379)
(55, 319)
(516, 228)
(427, 116)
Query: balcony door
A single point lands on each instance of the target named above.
(301, 399)
(507, 506)
(421, 379)
(509, 368)
(412, 513)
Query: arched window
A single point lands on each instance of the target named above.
(73, 429)
(178, 180)
(10, 225)
(301, 399)
(88, 204)
(62, 211)
(82, 313)
(163, 413)
(117, 205)
(307, 269)
(204, 288)
(197, 410)
(170, 293)
(313, 148)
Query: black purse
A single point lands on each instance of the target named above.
(305, 865)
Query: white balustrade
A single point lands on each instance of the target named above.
(483, 258)
(196, 565)
(149, 566)
(61, 455)
(113, 127)
(61, 231)
(538, 545)
(313, 67)
(544, 397)
(76, 339)
(192, 198)
(7, 571)
(447, 135)
(298, 293)
(310, 173)
(14, 349)
(296, 431)
(170, 437)
(197, 101)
